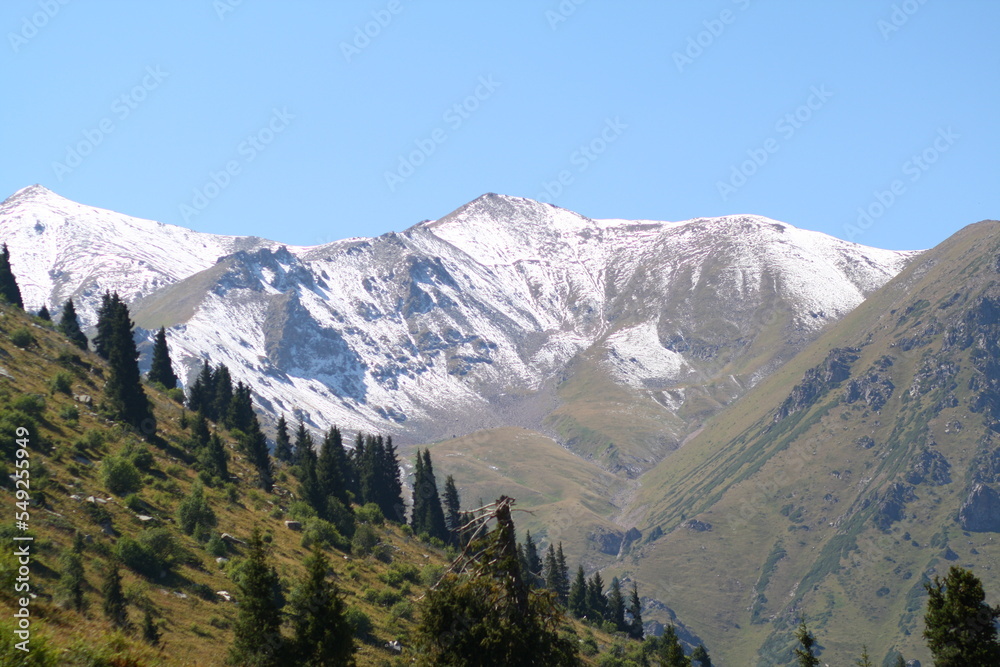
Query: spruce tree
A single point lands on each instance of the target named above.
(635, 629)
(700, 654)
(616, 606)
(309, 487)
(322, 635)
(69, 325)
(257, 640)
(71, 579)
(43, 313)
(551, 570)
(331, 467)
(160, 369)
(452, 510)
(201, 398)
(223, 395)
(213, 458)
(254, 446)
(282, 442)
(596, 602)
(960, 626)
(150, 633)
(864, 660)
(578, 595)
(390, 484)
(563, 590)
(240, 415)
(805, 656)
(115, 607)
(9, 291)
(303, 443)
(107, 314)
(418, 514)
(671, 653)
(534, 564)
(126, 398)
(428, 515)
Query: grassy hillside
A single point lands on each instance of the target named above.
(49, 383)
(832, 489)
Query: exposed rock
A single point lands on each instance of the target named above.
(980, 513)
(874, 389)
(696, 525)
(891, 505)
(818, 380)
(929, 467)
(607, 541)
(632, 535)
(293, 525)
(864, 442)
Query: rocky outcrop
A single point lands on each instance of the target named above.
(818, 380)
(980, 513)
(875, 389)
(891, 506)
(929, 467)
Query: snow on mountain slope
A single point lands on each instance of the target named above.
(471, 321)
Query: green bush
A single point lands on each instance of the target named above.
(216, 546)
(22, 337)
(364, 541)
(154, 551)
(32, 405)
(61, 383)
(176, 394)
(120, 476)
(42, 654)
(301, 511)
(324, 533)
(401, 609)
(370, 513)
(359, 621)
(69, 413)
(134, 503)
(139, 455)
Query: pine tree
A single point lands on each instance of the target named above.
(562, 591)
(69, 325)
(257, 640)
(126, 398)
(428, 515)
(214, 459)
(223, 395)
(960, 626)
(597, 604)
(452, 510)
(331, 467)
(616, 606)
(115, 609)
(864, 660)
(635, 629)
(107, 315)
(390, 484)
(194, 512)
(322, 635)
(578, 595)
(670, 652)
(700, 654)
(43, 313)
(805, 655)
(160, 369)
(150, 633)
(9, 291)
(533, 573)
(303, 443)
(71, 579)
(201, 398)
(282, 442)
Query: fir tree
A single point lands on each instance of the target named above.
(9, 291)
(303, 443)
(322, 635)
(616, 606)
(115, 609)
(201, 398)
(201, 433)
(160, 369)
(331, 467)
(551, 570)
(864, 660)
(635, 629)
(562, 591)
(390, 484)
(107, 319)
(254, 445)
(213, 458)
(240, 415)
(533, 572)
(700, 654)
(805, 655)
(150, 633)
(257, 640)
(126, 398)
(670, 652)
(452, 510)
(428, 515)
(309, 487)
(597, 604)
(282, 442)
(69, 325)
(578, 595)
(223, 395)
(71, 579)
(43, 313)
(960, 626)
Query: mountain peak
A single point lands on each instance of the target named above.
(36, 191)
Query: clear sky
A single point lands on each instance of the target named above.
(307, 122)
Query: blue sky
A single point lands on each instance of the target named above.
(307, 122)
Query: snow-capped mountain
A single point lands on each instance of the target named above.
(505, 312)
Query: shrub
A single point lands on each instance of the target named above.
(22, 337)
(69, 413)
(365, 540)
(139, 455)
(401, 609)
(318, 531)
(42, 654)
(120, 476)
(62, 383)
(216, 546)
(194, 512)
(134, 503)
(153, 551)
(32, 405)
(370, 513)
(176, 394)
(301, 511)
(359, 621)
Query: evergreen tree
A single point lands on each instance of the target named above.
(150, 633)
(71, 579)
(9, 291)
(597, 604)
(562, 592)
(43, 313)
(257, 640)
(616, 606)
(240, 415)
(390, 484)
(213, 458)
(359, 462)
(864, 660)
(533, 572)
(194, 512)
(452, 510)
(551, 570)
(160, 369)
(107, 316)
(222, 398)
(309, 487)
(126, 398)
(960, 626)
(428, 515)
(700, 654)
(254, 445)
(331, 467)
(805, 655)
(115, 609)
(69, 325)
(282, 442)
(635, 629)
(303, 443)
(670, 652)
(201, 398)
(322, 635)
(578, 595)
(201, 433)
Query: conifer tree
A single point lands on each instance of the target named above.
(214, 459)
(597, 604)
(223, 395)
(107, 316)
(331, 467)
(201, 398)
(635, 630)
(126, 398)
(551, 570)
(578, 595)
(616, 606)
(805, 655)
(201, 433)
(303, 443)
(194, 512)
(43, 313)
(254, 445)
(69, 325)
(428, 515)
(322, 635)
(115, 607)
(562, 591)
(671, 653)
(864, 660)
(71, 579)
(150, 633)
(282, 442)
(9, 291)
(452, 510)
(160, 369)
(257, 639)
(240, 415)
(390, 484)
(960, 626)
(700, 655)
(533, 563)
(309, 487)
